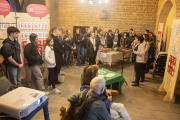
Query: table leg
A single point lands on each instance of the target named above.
(111, 87)
(46, 112)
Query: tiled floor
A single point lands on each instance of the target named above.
(142, 103)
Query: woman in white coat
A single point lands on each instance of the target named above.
(50, 63)
(147, 46)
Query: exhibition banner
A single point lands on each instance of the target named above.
(36, 10)
(4, 8)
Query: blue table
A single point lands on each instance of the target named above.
(44, 105)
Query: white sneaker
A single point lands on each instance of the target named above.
(56, 91)
(47, 93)
(50, 87)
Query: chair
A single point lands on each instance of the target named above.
(63, 110)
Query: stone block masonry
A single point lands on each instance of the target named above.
(121, 14)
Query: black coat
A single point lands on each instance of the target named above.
(90, 47)
(86, 36)
(131, 39)
(58, 51)
(110, 39)
(11, 48)
(68, 44)
(151, 53)
(32, 57)
(119, 38)
(81, 40)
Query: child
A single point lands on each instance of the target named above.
(139, 52)
(50, 64)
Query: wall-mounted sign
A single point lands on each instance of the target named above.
(171, 65)
(36, 10)
(4, 8)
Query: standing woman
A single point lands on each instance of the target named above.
(92, 46)
(124, 40)
(34, 59)
(50, 64)
(117, 37)
(110, 38)
(58, 51)
(147, 46)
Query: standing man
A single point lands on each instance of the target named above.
(68, 46)
(130, 32)
(12, 56)
(86, 36)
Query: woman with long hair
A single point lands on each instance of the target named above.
(58, 51)
(50, 64)
(34, 59)
(147, 46)
(124, 40)
(115, 109)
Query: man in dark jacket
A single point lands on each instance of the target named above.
(12, 56)
(86, 36)
(79, 41)
(68, 46)
(110, 38)
(58, 51)
(131, 39)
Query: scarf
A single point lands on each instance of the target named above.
(93, 41)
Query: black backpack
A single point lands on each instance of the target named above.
(78, 111)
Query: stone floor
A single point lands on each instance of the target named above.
(142, 103)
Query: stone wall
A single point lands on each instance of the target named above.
(178, 9)
(121, 14)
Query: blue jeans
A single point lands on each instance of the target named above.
(15, 76)
(80, 50)
(67, 56)
(85, 55)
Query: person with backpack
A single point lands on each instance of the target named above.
(34, 59)
(88, 103)
(12, 56)
(114, 109)
(50, 63)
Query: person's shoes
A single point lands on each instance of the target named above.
(55, 90)
(70, 65)
(142, 80)
(83, 65)
(135, 84)
(47, 93)
(67, 66)
(50, 87)
(57, 82)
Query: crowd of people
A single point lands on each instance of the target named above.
(87, 46)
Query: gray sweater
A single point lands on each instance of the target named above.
(96, 109)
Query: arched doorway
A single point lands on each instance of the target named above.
(167, 15)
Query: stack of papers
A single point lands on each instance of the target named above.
(110, 75)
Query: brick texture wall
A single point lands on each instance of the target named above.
(121, 14)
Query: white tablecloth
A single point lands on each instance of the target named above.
(111, 57)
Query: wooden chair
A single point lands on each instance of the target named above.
(63, 109)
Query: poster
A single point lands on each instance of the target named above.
(171, 65)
